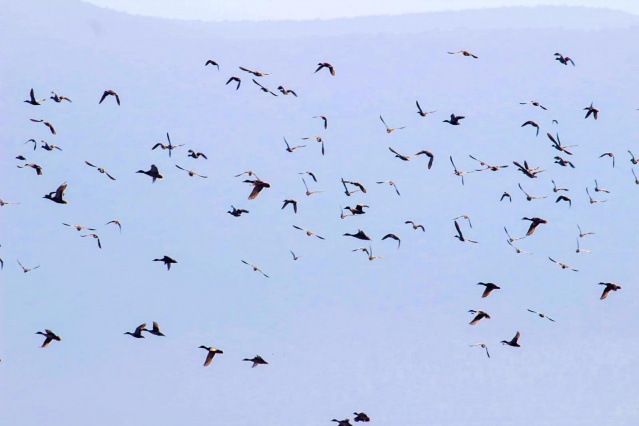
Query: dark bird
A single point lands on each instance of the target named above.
(255, 268)
(483, 345)
(116, 222)
(257, 360)
(479, 315)
(191, 172)
(534, 103)
(138, 331)
(311, 174)
(592, 200)
(46, 123)
(528, 196)
(50, 335)
(563, 59)
(153, 172)
(170, 146)
(532, 123)
(24, 269)
(286, 91)
(463, 52)
(562, 162)
(556, 143)
(535, 222)
(325, 65)
(324, 119)
(59, 99)
(57, 195)
(361, 235)
(110, 93)
(361, 417)
(101, 170)
(236, 212)
(309, 233)
(633, 160)
(34, 166)
(460, 236)
(48, 147)
(289, 149)
(562, 265)
(390, 129)
(292, 202)
(391, 183)
(264, 89)
(513, 342)
(428, 154)
(421, 112)
(358, 209)
(454, 119)
(394, 237)
(255, 73)
(196, 155)
(609, 154)
(156, 330)
(415, 226)
(506, 195)
(345, 422)
(95, 236)
(167, 261)
(489, 287)
(609, 287)
(21, 157)
(211, 353)
(239, 81)
(527, 170)
(555, 188)
(541, 315)
(294, 256)
(212, 62)
(591, 110)
(32, 100)
(564, 198)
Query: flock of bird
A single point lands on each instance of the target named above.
(257, 185)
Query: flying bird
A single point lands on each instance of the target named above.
(394, 237)
(289, 149)
(361, 417)
(258, 185)
(196, 155)
(138, 332)
(463, 52)
(57, 195)
(255, 268)
(598, 189)
(170, 146)
(460, 236)
(428, 154)
(59, 99)
(155, 331)
(486, 165)
(534, 103)
(34, 166)
(564, 198)
(236, 212)
(415, 226)
(421, 112)
(153, 172)
(609, 287)
(563, 59)
(535, 222)
(482, 345)
(309, 233)
(556, 143)
(326, 65)
(583, 234)
(264, 89)
(390, 129)
(291, 202)
(479, 315)
(579, 249)
(533, 124)
(324, 119)
(32, 100)
(48, 147)
(528, 196)
(110, 93)
(46, 123)
(309, 192)
(255, 73)
(101, 170)
(489, 288)
(562, 265)
(555, 188)
(513, 342)
(211, 353)
(167, 261)
(24, 269)
(506, 195)
(191, 172)
(361, 235)
(391, 183)
(257, 360)
(458, 172)
(541, 315)
(212, 62)
(239, 81)
(633, 160)
(454, 120)
(286, 91)
(358, 209)
(517, 249)
(592, 200)
(609, 154)
(527, 170)
(591, 110)
(49, 336)
(311, 174)
(116, 222)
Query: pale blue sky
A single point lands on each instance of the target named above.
(257, 10)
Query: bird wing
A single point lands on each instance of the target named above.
(458, 230)
(60, 191)
(380, 117)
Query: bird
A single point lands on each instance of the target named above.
(562, 265)
(358, 209)
(59, 99)
(292, 202)
(48, 147)
(156, 330)
(428, 154)
(21, 157)
(463, 52)
(57, 195)
(138, 331)
(541, 315)
(416, 226)
(289, 149)
(196, 155)
(533, 124)
(79, 227)
(479, 315)
(513, 342)
(394, 237)
(527, 170)
(458, 172)
(534, 103)
(211, 353)
(517, 249)
(391, 183)
(609, 287)
(167, 261)
(255, 73)
(421, 112)
(609, 154)
(506, 195)
(236, 212)
(361, 235)
(153, 172)
(511, 239)
(308, 191)
(400, 156)
(286, 91)
(390, 129)
(580, 250)
(248, 172)
(4, 203)
(317, 139)
(212, 62)
(32, 100)
(170, 146)
(357, 184)
(583, 234)
(46, 123)
(460, 236)
(555, 188)
(454, 119)
(633, 160)
(116, 222)
(258, 185)
(370, 254)
(342, 215)
(345, 422)
(110, 93)
(34, 166)
(239, 81)
(255, 268)
(257, 360)
(562, 162)
(563, 59)
(311, 174)
(464, 216)
(309, 233)
(592, 200)
(489, 287)
(635, 175)
(528, 196)
(361, 417)
(564, 198)
(264, 89)
(556, 143)
(598, 189)
(535, 222)
(486, 165)
(24, 269)
(326, 65)
(294, 256)
(483, 345)
(324, 119)
(49, 336)
(190, 172)
(591, 110)
(101, 170)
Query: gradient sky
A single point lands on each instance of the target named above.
(257, 10)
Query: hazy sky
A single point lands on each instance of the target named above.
(217, 10)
